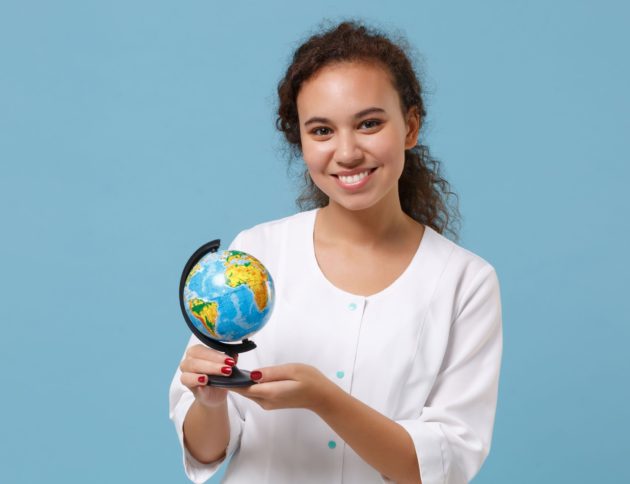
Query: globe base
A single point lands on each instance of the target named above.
(238, 378)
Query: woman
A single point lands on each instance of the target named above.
(381, 360)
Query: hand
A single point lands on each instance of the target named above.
(294, 385)
(199, 362)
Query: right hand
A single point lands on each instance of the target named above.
(199, 362)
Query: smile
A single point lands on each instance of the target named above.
(351, 180)
(355, 181)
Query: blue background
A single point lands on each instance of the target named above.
(132, 132)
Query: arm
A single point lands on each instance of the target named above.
(381, 442)
(453, 431)
(207, 431)
(207, 423)
(206, 427)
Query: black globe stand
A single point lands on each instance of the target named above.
(238, 378)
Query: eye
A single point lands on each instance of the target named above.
(371, 123)
(321, 131)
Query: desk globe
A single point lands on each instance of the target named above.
(226, 297)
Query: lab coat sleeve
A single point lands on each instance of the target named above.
(180, 400)
(453, 433)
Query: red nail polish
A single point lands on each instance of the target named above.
(201, 379)
(226, 370)
(255, 375)
(230, 361)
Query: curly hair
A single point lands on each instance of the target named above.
(424, 194)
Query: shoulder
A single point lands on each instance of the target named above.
(272, 231)
(271, 241)
(463, 273)
(457, 257)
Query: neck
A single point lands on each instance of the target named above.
(363, 228)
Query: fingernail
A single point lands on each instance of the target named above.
(230, 361)
(201, 379)
(226, 370)
(255, 375)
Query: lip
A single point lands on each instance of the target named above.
(356, 186)
(356, 171)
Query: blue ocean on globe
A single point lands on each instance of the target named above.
(229, 295)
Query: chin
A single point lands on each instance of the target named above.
(353, 205)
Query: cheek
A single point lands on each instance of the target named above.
(315, 155)
(389, 149)
(312, 165)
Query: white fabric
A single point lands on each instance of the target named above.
(424, 352)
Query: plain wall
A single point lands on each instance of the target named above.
(132, 132)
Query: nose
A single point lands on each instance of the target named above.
(347, 151)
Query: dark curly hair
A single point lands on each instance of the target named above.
(424, 194)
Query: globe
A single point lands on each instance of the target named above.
(228, 295)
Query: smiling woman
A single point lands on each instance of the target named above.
(384, 347)
(355, 152)
(424, 194)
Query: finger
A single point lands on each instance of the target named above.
(205, 353)
(264, 390)
(250, 392)
(193, 380)
(274, 373)
(201, 352)
(200, 366)
(267, 395)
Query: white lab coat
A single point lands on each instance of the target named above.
(425, 352)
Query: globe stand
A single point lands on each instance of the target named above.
(238, 378)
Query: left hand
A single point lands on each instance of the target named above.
(293, 385)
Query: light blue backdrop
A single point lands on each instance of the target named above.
(132, 132)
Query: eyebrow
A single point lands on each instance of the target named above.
(360, 114)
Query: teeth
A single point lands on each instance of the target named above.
(351, 180)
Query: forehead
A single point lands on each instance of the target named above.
(347, 85)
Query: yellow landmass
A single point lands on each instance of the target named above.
(206, 312)
(245, 269)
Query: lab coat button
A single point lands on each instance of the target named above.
(340, 374)
(352, 306)
(332, 444)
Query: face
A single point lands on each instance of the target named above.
(354, 134)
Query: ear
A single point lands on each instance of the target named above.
(413, 128)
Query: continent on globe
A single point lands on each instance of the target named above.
(227, 296)
(241, 268)
(206, 312)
